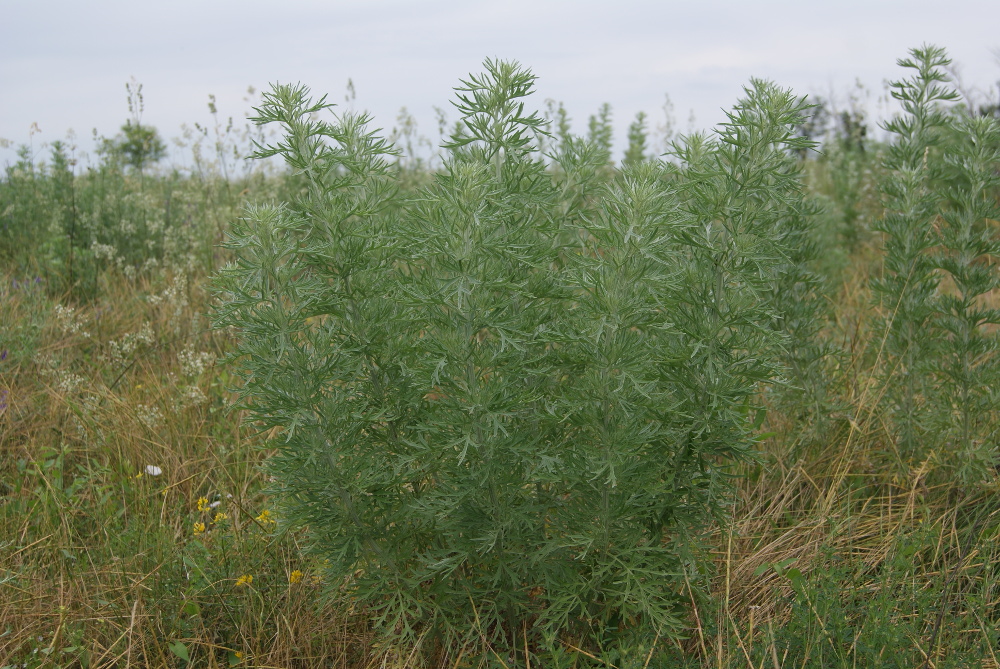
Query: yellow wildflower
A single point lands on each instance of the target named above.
(199, 528)
(219, 516)
(245, 579)
(203, 504)
(295, 576)
(265, 517)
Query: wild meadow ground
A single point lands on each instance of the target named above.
(133, 516)
(135, 527)
(138, 526)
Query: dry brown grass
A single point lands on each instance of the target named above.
(844, 501)
(98, 558)
(102, 567)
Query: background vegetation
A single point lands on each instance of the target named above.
(139, 528)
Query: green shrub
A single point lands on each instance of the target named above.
(941, 246)
(137, 146)
(502, 430)
(967, 370)
(909, 284)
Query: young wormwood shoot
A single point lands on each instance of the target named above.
(909, 283)
(967, 368)
(492, 112)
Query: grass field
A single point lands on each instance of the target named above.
(137, 526)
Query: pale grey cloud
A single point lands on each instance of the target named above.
(64, 64)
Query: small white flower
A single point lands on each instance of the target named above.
(153, 470)
(149, 416)
(69, 321)
(193, 362)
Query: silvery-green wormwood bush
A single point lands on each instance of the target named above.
(503, 414)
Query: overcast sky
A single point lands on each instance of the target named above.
(64, 64)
